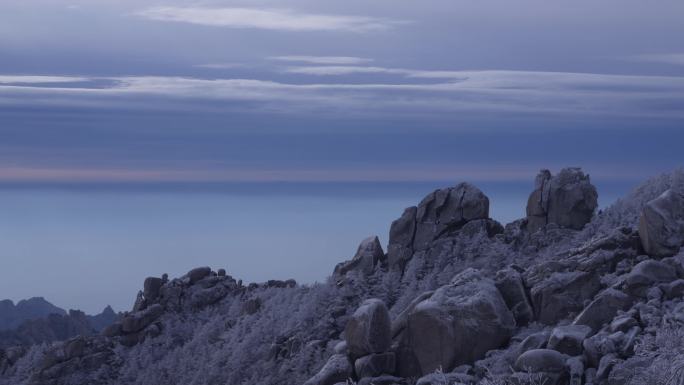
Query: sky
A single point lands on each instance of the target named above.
(145, 112)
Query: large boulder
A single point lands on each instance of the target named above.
(337, 369)
(400, 322)
(541, 360)
(459, 323)
(367, 256)
(661, 225)
(563, 294)
(439, 213)
(567, 199)
(369, 329)
(603, 309)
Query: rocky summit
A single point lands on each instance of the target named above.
(567, 295)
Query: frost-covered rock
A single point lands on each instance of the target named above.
(661, 225)
(568, 339)
(645, 274)
(459, 323)
(603, 308)
(369, 329)
(337, 369)
(567, 199)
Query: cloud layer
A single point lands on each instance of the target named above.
(453, 91)
(267, 18)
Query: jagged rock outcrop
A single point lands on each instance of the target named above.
(368, 255)
(439, 213)
(661, 225)
(459, 323)
(567, 199)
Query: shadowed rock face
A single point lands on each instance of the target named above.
(661, 225)
(439, 213)
(567, 199)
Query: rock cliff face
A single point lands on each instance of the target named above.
(565, 296)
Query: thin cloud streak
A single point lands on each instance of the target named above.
(36, 79)
(323, 59)
(267, 18)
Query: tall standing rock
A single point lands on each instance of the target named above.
(661, 225)
(367, 256)
(567, 199)
(459, 323)
(439, 213)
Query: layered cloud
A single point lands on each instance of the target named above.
(445, 92)
(267, 18)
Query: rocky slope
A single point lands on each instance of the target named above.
(564, 296)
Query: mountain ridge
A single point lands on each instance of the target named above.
(565, 304)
